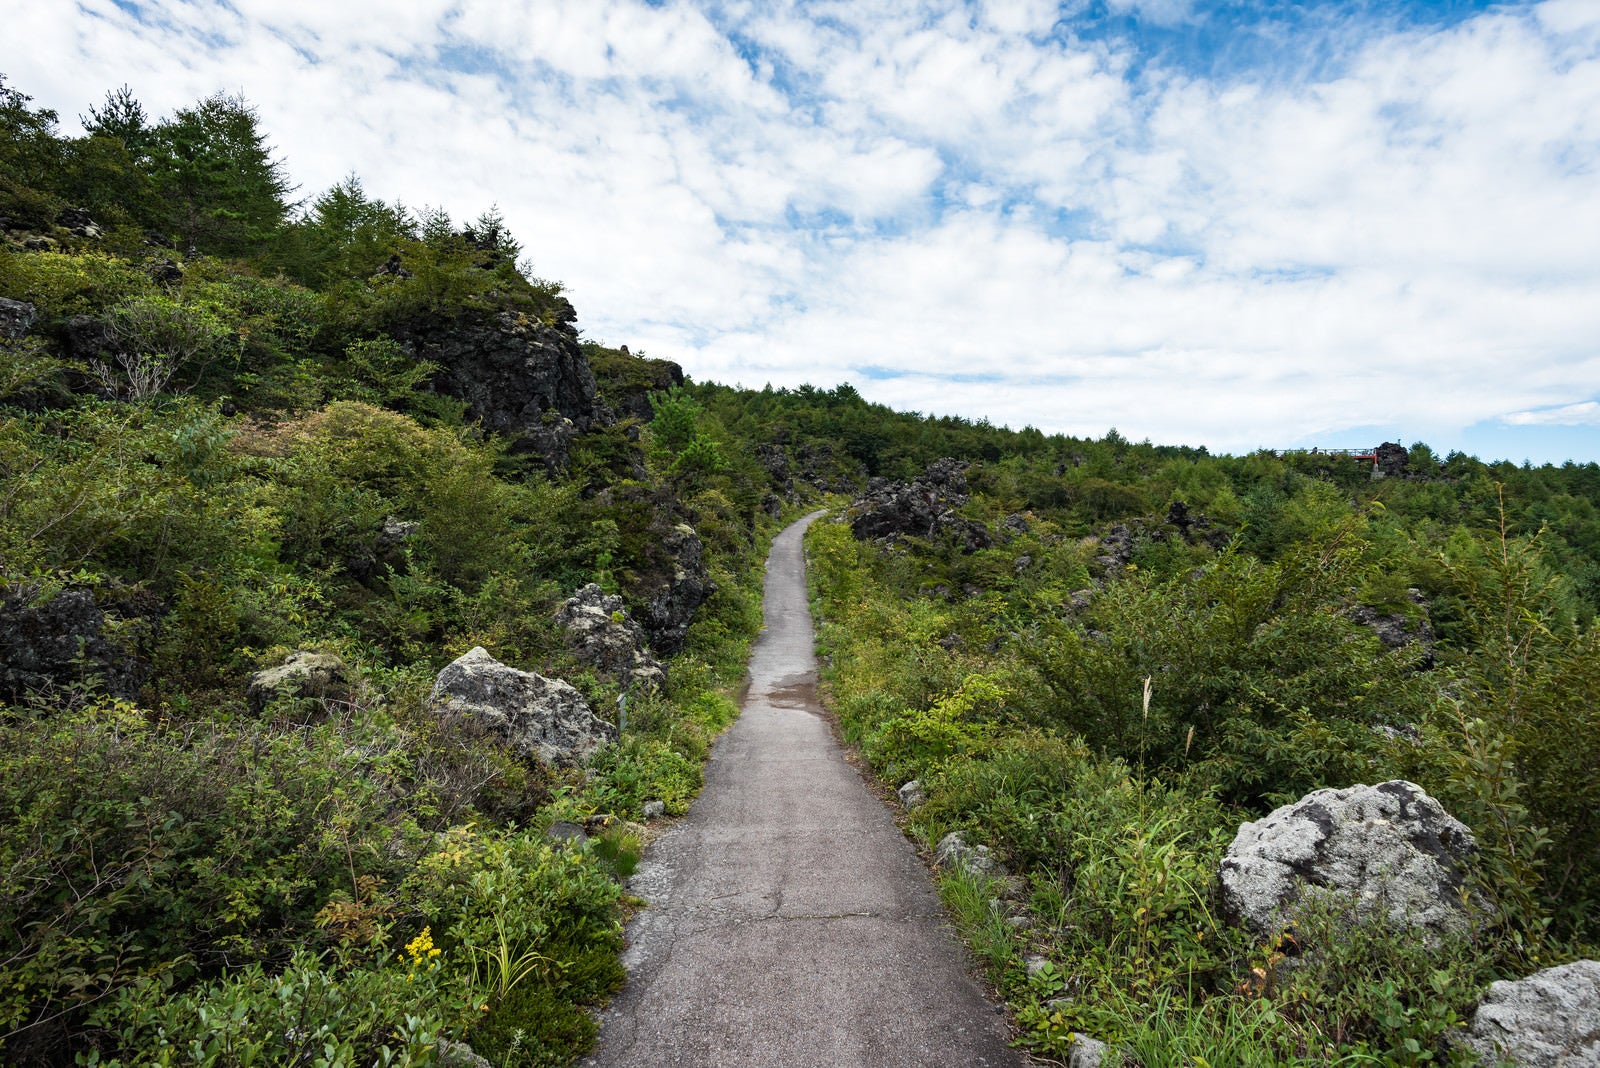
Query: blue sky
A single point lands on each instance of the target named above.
(1239, 225)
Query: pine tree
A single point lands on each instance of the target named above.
(30, 156)
(108, 169)
(345, 235)
(226, 195)
(123, 119)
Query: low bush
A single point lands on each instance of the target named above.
(639, 769)
(138, 850)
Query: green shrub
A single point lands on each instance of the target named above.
(1365, 986)
(527, 929)
(635, 770)
(315, 1010)
(29, 374)
(378, 371)
(134, 849)
(120, 485)
(64, 284)
(1258, 684)
(159, 341)
(536, 1028)
(915, 742)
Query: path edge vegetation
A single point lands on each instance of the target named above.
(1105, 919)
(234, 425)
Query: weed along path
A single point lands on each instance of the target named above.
(789, 922)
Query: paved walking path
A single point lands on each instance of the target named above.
(790, 923)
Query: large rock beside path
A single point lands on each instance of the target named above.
(600, 633)
(954, 852)
(1390, 850)
(1550, 1018)
(539, 717)
(671, 599)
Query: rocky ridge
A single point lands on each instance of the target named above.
(925, 507)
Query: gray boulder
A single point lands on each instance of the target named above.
(1116, 551)
(16, 318)
(1390, 850)
(820, 465)
(302, 674)
(1550, 1018)
(395, 532)
(1086, 1052)
(566, 831)
(911, 795)
(654, 810)
(460, 1055)
(953, 852)
(539, 717)
(1397, 630)
(600, 633)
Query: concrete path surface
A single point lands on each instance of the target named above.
(789, 921)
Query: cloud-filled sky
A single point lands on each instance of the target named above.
(1239, 224)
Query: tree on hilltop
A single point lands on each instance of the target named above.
(228, 196)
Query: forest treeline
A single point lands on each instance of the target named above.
(235, 424)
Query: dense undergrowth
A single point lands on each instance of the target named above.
(1104, 724)
(219, 444)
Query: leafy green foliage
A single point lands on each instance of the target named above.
(137, 851)
(345, 236)
(1259, 684)
(1136, 724)
(212, 166)
(29, 153)
(645, 769)
(310, 1011)
(155, 338)
(64, 284)
(1158, 644)
(266, 468)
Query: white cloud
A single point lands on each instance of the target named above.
(1584, 413)
(961, 208)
